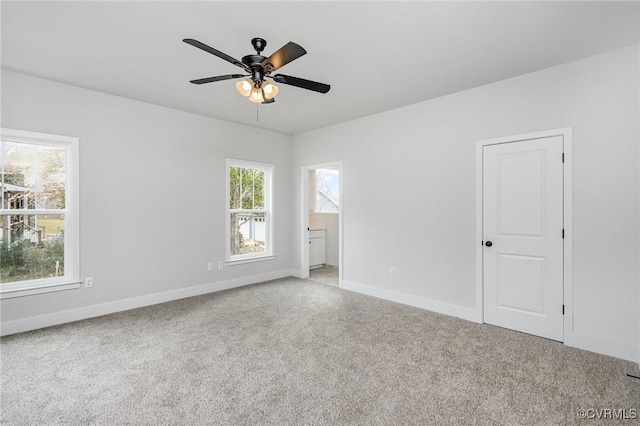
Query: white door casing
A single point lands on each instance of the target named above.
(523, 220)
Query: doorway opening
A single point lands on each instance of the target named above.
(322, 223)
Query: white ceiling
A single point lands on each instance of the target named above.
(376, 55)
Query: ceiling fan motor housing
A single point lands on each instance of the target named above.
(257, 72)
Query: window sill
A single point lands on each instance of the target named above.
(37, 289)
(234, 262)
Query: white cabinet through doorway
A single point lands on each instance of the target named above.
(316, 248)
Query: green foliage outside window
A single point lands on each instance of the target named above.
(22, 260)
(246, 190)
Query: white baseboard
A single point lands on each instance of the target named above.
(593, 344)
(605, 347)
(469, 314)
(62, 317)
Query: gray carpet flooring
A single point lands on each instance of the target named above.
(293, 352)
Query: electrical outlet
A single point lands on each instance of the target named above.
(210, 266)
(88, 282)
(392, 271)
(220, 265)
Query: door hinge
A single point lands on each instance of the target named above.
(563, 233)
(563, 157)
(562, 309)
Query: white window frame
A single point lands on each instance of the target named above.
(71, 278)
(269, 178)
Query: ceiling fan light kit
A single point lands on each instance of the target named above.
(259, 68)
(248, 89)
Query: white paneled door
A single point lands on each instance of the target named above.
(523, 236)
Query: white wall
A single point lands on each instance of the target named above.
(152, 196)
(330, 223)
(419, 161)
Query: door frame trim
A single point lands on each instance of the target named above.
(304, 254)
(567, 136)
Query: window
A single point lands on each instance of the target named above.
(250, 213)
(38, 213)
(327, 190)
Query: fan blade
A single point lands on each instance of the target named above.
(219, 54)
(217, 78)
(283, 56)
(301, 82)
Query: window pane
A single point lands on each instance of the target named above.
(8, 193)
(327, 190)
(252, 184)
(31, 247)
(258, 191)
(247, 188)
(235, 184)
(34, 176)
(248, 233)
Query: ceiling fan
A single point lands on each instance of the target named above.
(259, 68)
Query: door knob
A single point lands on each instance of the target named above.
(488, 244)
